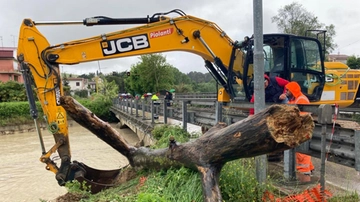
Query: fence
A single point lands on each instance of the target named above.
(339, 145)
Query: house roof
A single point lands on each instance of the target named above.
(75, 79)
(8, 48)
(338, 57)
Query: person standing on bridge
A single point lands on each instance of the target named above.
(155, 96)
(304, 164)
(168, 98)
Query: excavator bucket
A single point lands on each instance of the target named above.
(97, 180)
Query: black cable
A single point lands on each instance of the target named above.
(51, 68)
(36, 71)
(37, 51)
(178, 11)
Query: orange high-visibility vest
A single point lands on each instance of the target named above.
(303, 163)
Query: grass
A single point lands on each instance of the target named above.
(12, 121)
(237, 181)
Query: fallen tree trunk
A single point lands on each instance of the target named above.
(277, 128)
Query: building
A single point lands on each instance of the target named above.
(338, 58)
(9, 68)
(77, 84)
(92, 85)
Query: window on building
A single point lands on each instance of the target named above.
(10, 77)
(16, 78)
(77, 83)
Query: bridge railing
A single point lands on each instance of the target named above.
(341, 145)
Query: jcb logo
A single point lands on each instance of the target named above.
(123, 45)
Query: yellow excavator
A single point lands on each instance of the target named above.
(230, 62)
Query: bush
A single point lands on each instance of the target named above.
(13, 113)
(100, 108)
(82, 93)
(163, 133)
(12, 91)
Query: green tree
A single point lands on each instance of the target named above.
(294, 19)
(353, 62)
(180, 77)
(66, 85)
(205, 87)
(118, 78)
(196, 77)
(107, 90)
(89, 76)
(184, 88)
(81, 93)
(151, 74)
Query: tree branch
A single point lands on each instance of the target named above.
(277, 128)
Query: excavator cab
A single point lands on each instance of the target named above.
(290, 57)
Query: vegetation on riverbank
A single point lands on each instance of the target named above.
(15, 113)
(237, 181)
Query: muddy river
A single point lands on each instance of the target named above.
(24, 178)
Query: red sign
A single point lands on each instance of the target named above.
(161, 33)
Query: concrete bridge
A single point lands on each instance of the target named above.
(142, 121)
(197, 114)
(342, 145)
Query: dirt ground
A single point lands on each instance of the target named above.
(338, 179)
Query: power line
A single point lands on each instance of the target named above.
(351, 43)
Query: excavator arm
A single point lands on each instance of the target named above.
(39, 62)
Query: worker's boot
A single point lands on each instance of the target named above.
(303, 177)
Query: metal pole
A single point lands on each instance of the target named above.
(259, 91)
(323, 156)
(357, 150)
(127, 105)
(143, 109)
(152, 112)
(184, 114)
(58, 22)
(218, 112)
(123, 105)
(324, 117)
(136, 108)
(131, 106)
(289, 164)
(165, 112)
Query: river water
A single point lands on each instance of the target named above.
(24, 178)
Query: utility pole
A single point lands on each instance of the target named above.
(97, 78)
(99, 67)
(259, 88)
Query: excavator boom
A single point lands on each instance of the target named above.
(40, 62)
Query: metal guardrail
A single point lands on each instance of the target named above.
(342, 147)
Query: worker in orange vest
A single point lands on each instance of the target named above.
(304, 165)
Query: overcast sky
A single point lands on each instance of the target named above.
(235, 17)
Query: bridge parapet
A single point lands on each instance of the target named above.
(342, 145)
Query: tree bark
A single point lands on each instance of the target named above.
(276, 128)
